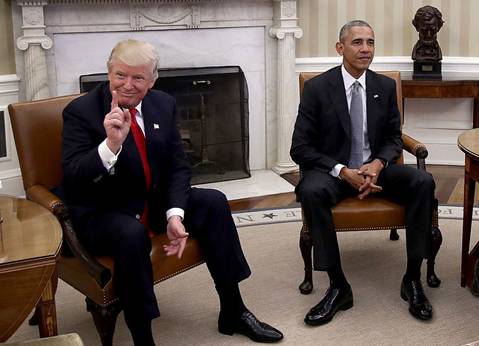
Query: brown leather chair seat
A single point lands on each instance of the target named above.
(354, 215)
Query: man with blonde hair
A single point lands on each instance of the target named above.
(126, 176)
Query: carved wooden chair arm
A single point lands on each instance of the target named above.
(42, 196)
(417, 149)
(414, 147)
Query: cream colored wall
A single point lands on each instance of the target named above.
(321, 20)
(7, 57)
(391, 20)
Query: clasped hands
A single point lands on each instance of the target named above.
(365, 178)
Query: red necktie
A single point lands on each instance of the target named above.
(141, 146)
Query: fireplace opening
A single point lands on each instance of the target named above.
(212, 105)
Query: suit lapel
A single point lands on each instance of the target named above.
(152, 131)
(373, 96)
(340, 102)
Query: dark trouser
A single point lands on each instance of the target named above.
(318, 192)
(207, 218)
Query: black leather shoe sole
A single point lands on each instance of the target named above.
(412, 311)
(330, 317)
(250, 326)
(348, 304)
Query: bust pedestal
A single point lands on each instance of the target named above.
(427, 70)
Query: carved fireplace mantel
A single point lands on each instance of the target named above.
(46, 31)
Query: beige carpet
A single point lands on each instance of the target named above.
(373, 264)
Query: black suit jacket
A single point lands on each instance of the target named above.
(89, 188)
(322, 133)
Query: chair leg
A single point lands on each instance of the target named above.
(105, 319)
(34, 320)
(306, 244)
(393, 235)
(436, 241)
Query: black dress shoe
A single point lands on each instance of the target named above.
(334, 300)
(253, 328)
(419, 306)
(475, 279)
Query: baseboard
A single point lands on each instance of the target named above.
(11, 185)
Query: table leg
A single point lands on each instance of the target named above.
(475, 111)
(469, 187)
(47, 310)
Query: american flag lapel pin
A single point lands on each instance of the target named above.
(375, 96)
(156, 126)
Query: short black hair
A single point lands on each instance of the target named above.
(357, 22)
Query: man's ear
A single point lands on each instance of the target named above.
(339, 48)
(152, 83)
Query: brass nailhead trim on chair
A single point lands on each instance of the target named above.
(178, 272)
(417, 147)
(368, 228)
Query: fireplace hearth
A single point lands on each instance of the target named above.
(212, 105)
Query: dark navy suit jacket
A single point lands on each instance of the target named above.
(89, 188)
(322, 133)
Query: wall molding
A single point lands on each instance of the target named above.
(9, 84)
(452, 67)
(10, 174)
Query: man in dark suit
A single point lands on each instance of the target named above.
(346, 140)
(126, 176)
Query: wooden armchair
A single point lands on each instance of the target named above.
(37, 130)
(373, 213)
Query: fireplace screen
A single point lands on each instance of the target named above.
(212, 105)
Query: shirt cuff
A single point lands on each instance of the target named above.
(175, 211)
(336, 170)
(108, 158)
(383, 161)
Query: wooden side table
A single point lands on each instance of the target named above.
(444, 89)
(30, 240)
(468, 142)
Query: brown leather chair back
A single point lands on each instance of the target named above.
(41, 162)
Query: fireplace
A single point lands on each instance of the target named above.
(212, 104)
(59, 40)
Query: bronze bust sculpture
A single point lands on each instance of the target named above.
(426, 53)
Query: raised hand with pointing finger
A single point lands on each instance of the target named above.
(117, 124)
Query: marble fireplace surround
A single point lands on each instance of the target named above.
(58, 40)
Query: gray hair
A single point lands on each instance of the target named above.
(346, 27)
(135, 53)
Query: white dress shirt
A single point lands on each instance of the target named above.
(348, 88)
